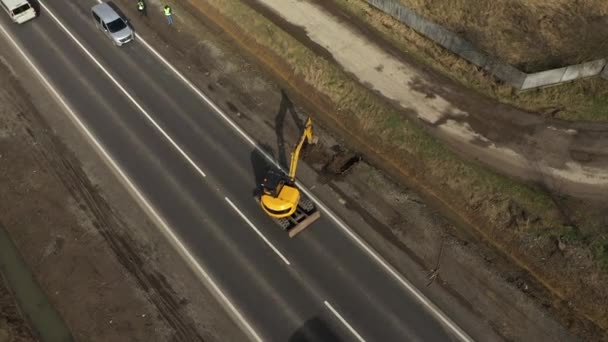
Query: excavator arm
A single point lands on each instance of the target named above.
(295, 154)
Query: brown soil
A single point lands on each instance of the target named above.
(13, 327)
(109, 278)
(531, 35)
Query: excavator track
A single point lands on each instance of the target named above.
(306, 204)
(304, 216)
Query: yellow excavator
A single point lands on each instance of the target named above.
(281, 199)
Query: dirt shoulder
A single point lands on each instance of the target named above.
(112, 277)
(491, 267)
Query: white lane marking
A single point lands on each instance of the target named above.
(256, 230)
(125, 92)
(350, 233)
(142, 199)
(206, 99)
(346, 324)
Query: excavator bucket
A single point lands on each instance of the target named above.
(307, 221)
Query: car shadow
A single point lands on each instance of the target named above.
(120, 14)
(36, 6)
(285, 107)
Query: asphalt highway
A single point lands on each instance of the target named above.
(199, 174)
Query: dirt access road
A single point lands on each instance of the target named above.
(103, 265)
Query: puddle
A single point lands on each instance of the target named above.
(33, 303)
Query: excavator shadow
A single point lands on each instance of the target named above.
(260, 166)
(314, 329)
(285, 107)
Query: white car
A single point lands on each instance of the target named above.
(19, 10)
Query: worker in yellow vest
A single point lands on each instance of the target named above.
(141, 8)
(169, 14)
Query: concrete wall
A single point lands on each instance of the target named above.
(494, 66)
(565, 74)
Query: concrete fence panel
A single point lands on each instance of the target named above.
(502, 71)
(565, 74)
(543, 78)
(507, 74)
(583, 70)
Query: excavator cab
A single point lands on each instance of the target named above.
(281, 199)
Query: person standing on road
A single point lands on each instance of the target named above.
(141, 7)
(169, 14)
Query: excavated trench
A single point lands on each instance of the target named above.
(330, 162)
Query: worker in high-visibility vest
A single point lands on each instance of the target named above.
(169, 14)
(141, 7)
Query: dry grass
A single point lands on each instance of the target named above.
(585, 100)
(533, 35)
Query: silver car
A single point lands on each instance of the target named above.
(112, 24)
